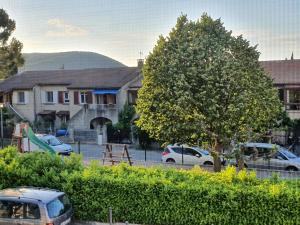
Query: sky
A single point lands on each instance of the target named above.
(121, 29)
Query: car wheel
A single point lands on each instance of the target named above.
(291, 168)
(208, 163)
(170, 161)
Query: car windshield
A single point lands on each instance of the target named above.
(288, 154)
(53, 141)
(58, 207)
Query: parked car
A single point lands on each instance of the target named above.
(270, 156)
(34, 206)
(190, 155)
(58, 146)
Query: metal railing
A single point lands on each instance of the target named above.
(103, 107)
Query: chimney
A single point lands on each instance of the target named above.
(140, 63)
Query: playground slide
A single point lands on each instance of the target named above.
(36, 141)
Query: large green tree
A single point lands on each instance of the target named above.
(10, 48)
(201, 83)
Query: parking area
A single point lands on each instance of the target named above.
(153, 157)
(94, 152)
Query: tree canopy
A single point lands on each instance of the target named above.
(10, 49)
(203, 83)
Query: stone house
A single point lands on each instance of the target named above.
(286, 77)
(84, 99)
(87, 99)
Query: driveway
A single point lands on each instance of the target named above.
(93, 151)
(153, 157)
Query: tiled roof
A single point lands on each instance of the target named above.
(283, 71)
(81, 79)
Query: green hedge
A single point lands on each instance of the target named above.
(157, 195)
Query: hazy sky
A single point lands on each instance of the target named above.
(122, 28)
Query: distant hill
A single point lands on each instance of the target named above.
(68, 61)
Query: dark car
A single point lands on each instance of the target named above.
(34, 206)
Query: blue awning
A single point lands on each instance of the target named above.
(105, 91)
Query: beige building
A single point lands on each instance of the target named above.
(286, 77)
(85, 100)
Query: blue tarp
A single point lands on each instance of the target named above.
(103, 91)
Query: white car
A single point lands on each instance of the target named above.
(58, 146)
(259, 155)
(186, 155)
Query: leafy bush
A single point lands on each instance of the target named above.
(168, 196)
(157, 195)
(35, 169)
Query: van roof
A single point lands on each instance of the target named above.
(260, 145)
(40, 194)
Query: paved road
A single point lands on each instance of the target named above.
(90, 152)
(153, 157)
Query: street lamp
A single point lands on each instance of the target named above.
(1, 108)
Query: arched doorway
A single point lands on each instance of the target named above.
(100, 125)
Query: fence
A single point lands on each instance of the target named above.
(146, 157)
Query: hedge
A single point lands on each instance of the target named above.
(157, 195)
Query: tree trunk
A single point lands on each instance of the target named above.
(240, 163)
(216, 155)
(240, 159)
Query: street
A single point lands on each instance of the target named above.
(153, 157)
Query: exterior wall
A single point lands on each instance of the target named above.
(294, 114)
(42, 105)
(81, 116)
(26, 109)
(74, 108)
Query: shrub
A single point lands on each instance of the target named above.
(168, 196)
(35, 169)
(157, 195)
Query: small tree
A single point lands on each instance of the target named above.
(10, 50)
(202, 83)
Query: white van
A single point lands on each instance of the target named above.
(58, 146)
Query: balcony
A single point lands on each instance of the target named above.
(103, 107)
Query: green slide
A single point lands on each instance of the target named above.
(34, 139)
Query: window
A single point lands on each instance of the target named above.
(19, 210)
(294, 96)
(281, 94)
(31, 211)
(49, 97)
(178, 150)
(83, 97)
(58, 206)
(191, 152)
(21, 97)
(66, 97)
(132, 97)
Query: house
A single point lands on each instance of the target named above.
(286, 77)
(85, 99)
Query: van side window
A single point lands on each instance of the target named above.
(31, 211)
(11, 210)
(19, 210)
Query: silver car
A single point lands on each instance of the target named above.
(34, 206)
(259, 155)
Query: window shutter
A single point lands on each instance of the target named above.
(26, 97)
(76, 97)
(55, 96)
(89, 97)
(43, 96)
(60, 97)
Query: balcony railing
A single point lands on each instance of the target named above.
(103, 107)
